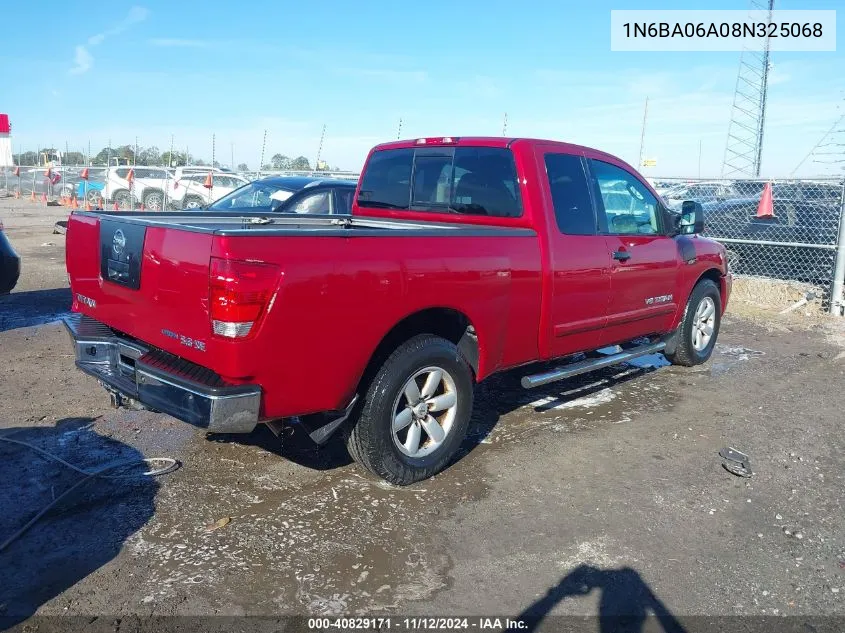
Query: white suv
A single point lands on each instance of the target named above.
(190, 192)
(148, 187)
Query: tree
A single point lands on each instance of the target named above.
(280, 161)
(178, 159)
(300, 163)
(102, 158)
(73, 158)
(26, 158)
(243, 167)
(199, 162)
(149, 156)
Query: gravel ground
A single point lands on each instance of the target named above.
(604, 495)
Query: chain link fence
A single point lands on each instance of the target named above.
(794, 238)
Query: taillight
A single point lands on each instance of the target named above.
(239, 294)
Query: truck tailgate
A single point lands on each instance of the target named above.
(150, 282)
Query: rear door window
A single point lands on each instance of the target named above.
(570, 191)
(465, 180)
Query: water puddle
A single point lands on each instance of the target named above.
(339, 543)
(726, 357)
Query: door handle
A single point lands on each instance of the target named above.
(621, 256)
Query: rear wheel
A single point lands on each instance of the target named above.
(416, 412)
(700, 326)
(192, 202)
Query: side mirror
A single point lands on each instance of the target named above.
(692, 218)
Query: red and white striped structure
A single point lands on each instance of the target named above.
(5, 141)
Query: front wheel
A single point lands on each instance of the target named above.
(700, 326)
(416, 412)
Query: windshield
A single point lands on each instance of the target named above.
(255, 195)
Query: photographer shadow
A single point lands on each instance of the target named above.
(625, 604)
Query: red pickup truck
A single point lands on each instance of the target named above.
(462, 257)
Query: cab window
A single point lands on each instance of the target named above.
(629, 207)
(466, 180)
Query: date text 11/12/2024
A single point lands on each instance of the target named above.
(418, 624)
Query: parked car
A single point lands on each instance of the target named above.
(794, 222)
(326, 197)
(148, 186)
(461, 258)
(700, 192)
(268, 194)
(10, 264)
(190, 192)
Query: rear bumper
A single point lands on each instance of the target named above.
(132, 371)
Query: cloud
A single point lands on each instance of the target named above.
(166, 42)
(83, 60)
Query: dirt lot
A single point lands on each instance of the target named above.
(604, 495)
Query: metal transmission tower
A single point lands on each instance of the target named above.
(744, 148)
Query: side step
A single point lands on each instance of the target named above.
(591, 364)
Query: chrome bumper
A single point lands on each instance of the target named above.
(131, 371)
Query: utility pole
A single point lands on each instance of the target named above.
(505, 125)
(261, 162)
(399, 132)
(699, 159)
(320, 148)
(642, 135)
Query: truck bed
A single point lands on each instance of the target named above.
(342, 284)
(234, 224)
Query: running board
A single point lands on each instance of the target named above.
(591, 364)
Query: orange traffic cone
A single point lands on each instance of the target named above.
(87, 206)
(766, 208)
(73, 203)
(130, 177)
(17, 171)
(44, 199)
(116, 208)
(32, 196)
(208, 182)
(84, 174)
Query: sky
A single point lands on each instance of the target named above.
(90, 71)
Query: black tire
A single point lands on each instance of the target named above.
(94, 196)
(154, 200)
(685, 352)
(124, 200)
(371, 440)
(192, 202)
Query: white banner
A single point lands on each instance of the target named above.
(705, 30)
